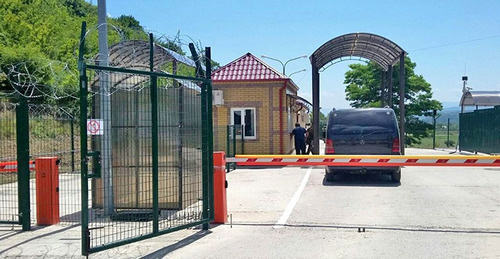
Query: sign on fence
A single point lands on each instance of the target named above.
(94, 127)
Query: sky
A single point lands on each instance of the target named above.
(446, 39)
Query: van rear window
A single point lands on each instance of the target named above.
(361, 122)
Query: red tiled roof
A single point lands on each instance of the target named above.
(247, 68)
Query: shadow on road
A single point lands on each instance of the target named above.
(369, 180)
(180, 244)
(35, 238)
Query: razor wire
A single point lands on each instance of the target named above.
(57, 80)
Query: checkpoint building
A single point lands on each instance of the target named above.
(260, 102)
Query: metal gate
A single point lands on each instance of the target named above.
(146, 154)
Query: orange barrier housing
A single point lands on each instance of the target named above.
(47, 190)
(220, 185)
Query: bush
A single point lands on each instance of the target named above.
(449, 143)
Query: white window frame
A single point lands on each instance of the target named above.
(242, 110)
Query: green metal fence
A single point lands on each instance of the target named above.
(156, 130)
(47, 130)
(480, 131)
(229, 139)
(53, 132)
(9, 202)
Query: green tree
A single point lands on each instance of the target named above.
(322, 120)
(43, 36)
(363, 90)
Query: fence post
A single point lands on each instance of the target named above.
(72, 128)
(228, 145)
(234, 140)
(154, 134)
(448, 138)
(434, 129)
(23, 159)
(228, 140)
(85, 235)
(180, 111)
(208, 73)
(204, 155)
(242, 139)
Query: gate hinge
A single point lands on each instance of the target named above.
(96, 164)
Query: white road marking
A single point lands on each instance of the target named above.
(291, 204)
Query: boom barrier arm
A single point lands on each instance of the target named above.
(364, 160)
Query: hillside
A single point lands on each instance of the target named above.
(35, 34)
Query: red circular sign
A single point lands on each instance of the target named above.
(93, 127)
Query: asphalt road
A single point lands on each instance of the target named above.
(434, 212)
(293, 212)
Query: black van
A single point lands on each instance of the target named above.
(371, 131)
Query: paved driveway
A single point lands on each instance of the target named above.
(294, 212)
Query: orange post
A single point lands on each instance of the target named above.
(220, 185)
(47, 190)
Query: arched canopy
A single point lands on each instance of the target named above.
(364, 45)
(480, 98)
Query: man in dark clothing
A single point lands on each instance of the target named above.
(300, 139)
(309, 139)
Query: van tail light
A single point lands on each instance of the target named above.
(329, 147)
(395, 146)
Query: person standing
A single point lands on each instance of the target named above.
(309, 139)
(299, 135)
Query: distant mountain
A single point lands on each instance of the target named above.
(451, 112)
(450, 104)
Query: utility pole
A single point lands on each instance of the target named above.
(105, 110)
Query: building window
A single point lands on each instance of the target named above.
(245, 117)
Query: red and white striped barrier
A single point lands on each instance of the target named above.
(11, 167)
(363, 160)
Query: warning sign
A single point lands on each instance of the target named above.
(94, 127)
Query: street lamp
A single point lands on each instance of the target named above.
(286, 62)
(290, 75)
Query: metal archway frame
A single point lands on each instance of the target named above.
(373, 47)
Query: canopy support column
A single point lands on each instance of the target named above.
(389, 90)
(382, 88)
(316, 108)
(402, 86)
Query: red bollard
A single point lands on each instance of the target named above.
(220, 185)
(47, 190)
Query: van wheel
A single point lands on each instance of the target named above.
(330, 177)
(396, 176)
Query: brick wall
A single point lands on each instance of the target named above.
(264, 97)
